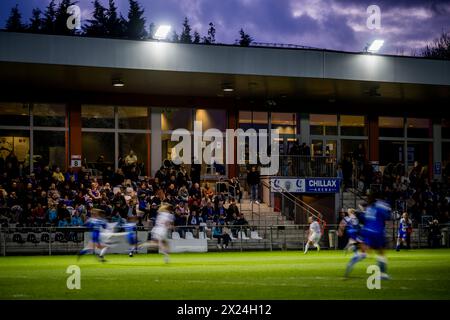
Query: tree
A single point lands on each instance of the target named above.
(175, 37)
(196, 37)
(14, 22)
(61, 17)
(440, 48)
(97, 25)
(36, 22)
(151, 30)
(135, 26)
(245, 39)
(49, 18)
(211, 37)
(186, 36)
(115, 25)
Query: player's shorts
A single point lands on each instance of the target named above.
(314, 237)
(131, 238)
(159, 233)
(352, 234)
(374, 240)
(402, 235)
(95, 236)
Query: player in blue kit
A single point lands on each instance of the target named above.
(404, 232)
(96, 224)
(130, 228)
(373, 234)
(350, 225)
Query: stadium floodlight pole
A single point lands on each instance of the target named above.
(162, 32)
(375, 46)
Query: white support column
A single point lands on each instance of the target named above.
(437, 150)
(156, 145)
(304, 128)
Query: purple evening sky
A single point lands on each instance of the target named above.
(406, 25)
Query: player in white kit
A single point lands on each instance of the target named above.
(160, 232)
(315, 233)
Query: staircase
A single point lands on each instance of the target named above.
(262, 215)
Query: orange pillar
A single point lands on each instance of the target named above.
(74, 117)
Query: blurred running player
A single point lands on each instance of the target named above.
(404, 232)
(96, 224)
(350, 226)
(159, 233)
(130, 228)
(314, 235)
(373, 234)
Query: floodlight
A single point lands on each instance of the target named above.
(162, 32)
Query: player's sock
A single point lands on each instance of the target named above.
(317, 246)
(84, 251)
(306, 248)
(382, 263)
(356, 258)
(103, 251)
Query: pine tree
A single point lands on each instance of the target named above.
(135, 26)
(97, 25)
(36, 22)
(196, 37)
(49, 18)
(245, 39)
(115, 25)
(186, 36)
(61, 17)
(211, 37)
(175, 37)
(14, 22)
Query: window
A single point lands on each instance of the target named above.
(323, 124)
(97, 116)
(445, 128)
(172, 119)
(419, 128)
(14, 114)
(353, 126)
(49, 148)
(49, 115)
(15, 144)
(285, 122)
(133, 117)
(253, 119)
(391, 126)
(212, 118)
(391, 152)
(97, 144)
(136, 142)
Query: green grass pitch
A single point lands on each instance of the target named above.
(416, 274)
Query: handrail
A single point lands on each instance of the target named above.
(296, 201)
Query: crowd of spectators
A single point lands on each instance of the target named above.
(51, 197)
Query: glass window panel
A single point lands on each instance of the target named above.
(446, 156)
(391, 152)
(136, 142)
(419, 128)
(253, 119)
(390, 126)
(97, 116)
(317, 148)
(286, 123)
(15, 151)
(212, 118)
(49, 149)
(49, 115)
(97, 145)
(133, 117)
(445, 128)
(353, 126)
(323, 124)
(14, 114)
(172, 119)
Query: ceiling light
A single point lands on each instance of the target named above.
(375, 46)
(227, 88)
(118, 83)
(162, 32)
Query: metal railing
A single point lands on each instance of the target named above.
(307, 166)
(14, 241)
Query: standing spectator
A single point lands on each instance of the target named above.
(253, 180)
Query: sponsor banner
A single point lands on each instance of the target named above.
(306, 185)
